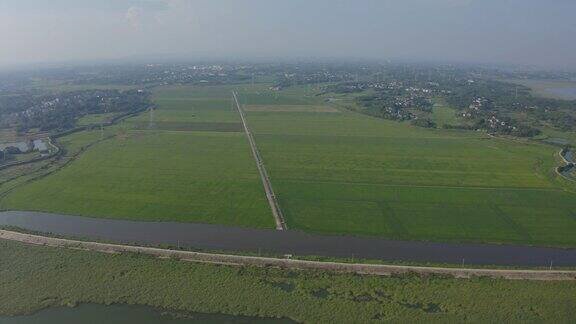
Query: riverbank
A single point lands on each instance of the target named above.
(227, 259)
(272, 242)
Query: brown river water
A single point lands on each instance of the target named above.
(226, 238)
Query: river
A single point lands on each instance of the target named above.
(227, 238)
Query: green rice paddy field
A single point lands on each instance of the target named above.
(348, 173)
(158, 174)
(334, 171)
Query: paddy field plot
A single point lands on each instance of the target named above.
(346, 173)
(192, 163)
(334, 171)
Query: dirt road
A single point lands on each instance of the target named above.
(270, 196)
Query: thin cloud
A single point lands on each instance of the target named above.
(134, 16)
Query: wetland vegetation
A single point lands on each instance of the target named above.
(34, 278)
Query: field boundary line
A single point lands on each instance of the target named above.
(392, 221)
(417, 186)
(371, 136)
(239, 260)
(512, 224)
(270, 196)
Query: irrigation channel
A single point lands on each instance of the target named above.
(289, 242)
(270, 196)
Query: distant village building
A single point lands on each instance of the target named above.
(24, 147)
(40, 146)
(27, 146)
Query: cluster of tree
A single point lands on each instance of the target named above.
(423, 122)
(504, 99)
(311, 77)
(518, 130)
(137, 74)
(11, 150)
(15, 103)
(461, 127)
(394, 104)
(8, 153)
(60, 112)
(382, 107)
(525, 131)
(562, 119)
(346, 87)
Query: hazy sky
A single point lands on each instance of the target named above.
(523, 31)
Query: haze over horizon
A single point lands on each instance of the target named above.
(529, 32)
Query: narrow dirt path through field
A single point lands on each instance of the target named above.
(270, 196)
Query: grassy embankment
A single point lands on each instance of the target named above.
(37, 277)
(178, 169)
(342, 172)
